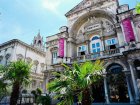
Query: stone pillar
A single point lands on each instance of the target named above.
(70, 47)
(46, 80)
(106, 90)
(127, 73)
(134, 30)
(88, 46)
(123, 33)
(134, 80)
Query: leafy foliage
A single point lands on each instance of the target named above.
(75, 81)
(41, 99)
(138, 8)
(44, 100)
(18, 73)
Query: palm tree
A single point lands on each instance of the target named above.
(138, 8)
(3, 84)
(76, 81)
(3, 89)
(18, 73)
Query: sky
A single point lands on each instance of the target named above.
(23, 19)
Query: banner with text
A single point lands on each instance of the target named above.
(128, 30)
(61, 47)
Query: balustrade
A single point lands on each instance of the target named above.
(97, 55)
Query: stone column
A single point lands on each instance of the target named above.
(46, 80)
(123, 33)
(127, 73)
(88, 46)
(106, 89)
(134, 80)
(134, 29)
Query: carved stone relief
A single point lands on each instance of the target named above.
(80, 37)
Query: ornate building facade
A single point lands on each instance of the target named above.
(101, 29)
(15, 50)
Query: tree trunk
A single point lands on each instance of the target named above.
(86, 97)
(15, 93)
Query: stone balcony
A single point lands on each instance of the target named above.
(99, 55)
(132, 46)
(119, 51)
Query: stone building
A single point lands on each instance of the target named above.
(15, 50)
(105, 30)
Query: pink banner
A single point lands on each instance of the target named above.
(61, 47)
(128, 30)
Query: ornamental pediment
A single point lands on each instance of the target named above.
(85, 4)
(80, 6)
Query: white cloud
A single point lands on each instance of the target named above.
(54, 5)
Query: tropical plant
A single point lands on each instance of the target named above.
(41, 99)
(44, 100)
(3, 84)
(18, 73)
(138, 8)
(3, 89)
(76, 81)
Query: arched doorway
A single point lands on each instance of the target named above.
(98, 92)
(117, 85)
(137, 68)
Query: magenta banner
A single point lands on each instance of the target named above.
(61, 47)
(128, 30)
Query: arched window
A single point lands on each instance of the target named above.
(54, 52)
(34, 83)
(1, 57)
(95, 38)
(95, 45)
(39, 42)
(19, 57)
(7, 58)
(28, 60)
(42, 66)
(35, 66)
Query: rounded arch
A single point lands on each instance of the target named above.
(82, 19)
(20, 56)
(39, 42)
(95, 37)
(1, 57)
(115, 62)
(53, 49)
(28, 59)
(117, 82)
(8, 56)
(114, 68)
(36, 62)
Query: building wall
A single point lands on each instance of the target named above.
(104, 22)
(18, 50)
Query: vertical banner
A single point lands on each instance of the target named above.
(61, 47)
(128, 30)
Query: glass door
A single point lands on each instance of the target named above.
(96, 48)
